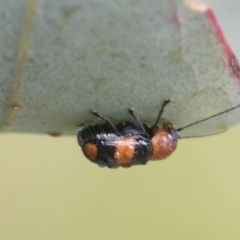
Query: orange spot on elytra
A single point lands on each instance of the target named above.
(90, 150)
(162, 143)
(124, 152)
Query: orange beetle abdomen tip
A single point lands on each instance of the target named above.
(163, 144)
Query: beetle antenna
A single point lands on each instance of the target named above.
(205, 119)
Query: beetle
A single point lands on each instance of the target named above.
(130, 143)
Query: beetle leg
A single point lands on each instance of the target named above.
(137, 120)
(105, 119)
(166, 101)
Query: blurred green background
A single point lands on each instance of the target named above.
(49, 191)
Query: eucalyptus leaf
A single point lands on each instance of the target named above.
(60, 59)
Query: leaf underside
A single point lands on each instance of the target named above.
(61, 59)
